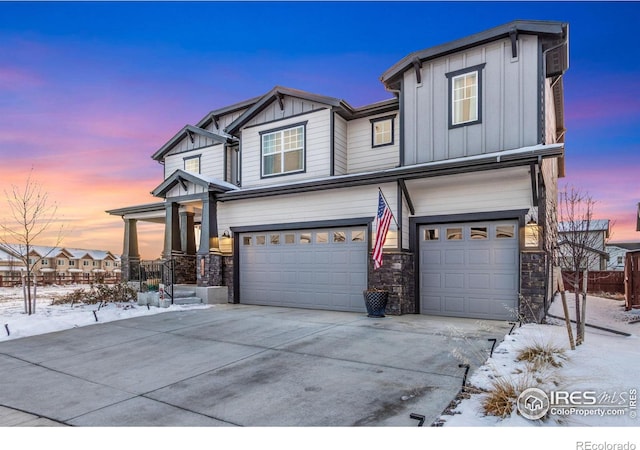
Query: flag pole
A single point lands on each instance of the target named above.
(390, 210)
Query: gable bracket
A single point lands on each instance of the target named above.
(281, 101)
(513, 35)
(417, 66)
(191, 136)
(407, 197)
(183, 183)
(215, 122)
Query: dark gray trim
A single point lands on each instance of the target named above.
(417, 67)
(189, 130)
(206, 120)
(407, 197)
(188, 198)
(466, 165)
(332, 142)
(304, 150)
(352, 222)
(239, 180)
(391, 77)
(401, 100)
(194, 149)
(450, 76)
(186, 158)
(513, 36)
(370, 110)
(180, 176)
(284, 118)
(225, 163)
(541, 97)
(375, 120)
(236, 267)
(534, 184)
(416, 222)
(149, 207)
(400, 203)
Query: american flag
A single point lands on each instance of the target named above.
(383, 219)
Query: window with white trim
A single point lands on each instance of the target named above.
(192, 164)
(382, 131)
(283, 151)
(465, 96)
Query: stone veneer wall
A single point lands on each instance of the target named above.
(397, 276)
(212, 273)
(533, 286)
(185, 269)
(227, 275)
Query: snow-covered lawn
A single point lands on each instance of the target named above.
(603, 374)
(49, 318)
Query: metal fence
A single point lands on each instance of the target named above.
(632, 280)
(152, 274)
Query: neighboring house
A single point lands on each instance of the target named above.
(56, 264)
(591, 236)
(274, 197)
(617, 252)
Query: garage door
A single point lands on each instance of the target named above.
(469, 269)
(318, 269)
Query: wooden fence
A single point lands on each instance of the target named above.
(608, 281)
(12, 279)
(632, 280)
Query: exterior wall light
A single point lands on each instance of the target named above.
(531, 236)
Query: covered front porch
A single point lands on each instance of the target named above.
(191, 240)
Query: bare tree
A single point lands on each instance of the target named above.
(32, 215)
(579, 246)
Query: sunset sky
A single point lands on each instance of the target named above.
(89, 91)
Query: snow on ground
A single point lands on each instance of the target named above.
(49, 318)
(605, 368)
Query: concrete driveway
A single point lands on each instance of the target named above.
(242, 365)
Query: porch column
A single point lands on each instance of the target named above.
(172, 242)
(209, 226)
(187, 233)
(130, 259)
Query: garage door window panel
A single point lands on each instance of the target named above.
(454, 234)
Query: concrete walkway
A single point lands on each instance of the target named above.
(236, 365)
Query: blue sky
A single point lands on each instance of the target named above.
(90, 90)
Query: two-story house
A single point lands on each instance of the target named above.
(275, 197)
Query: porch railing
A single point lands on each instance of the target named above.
(154, 273)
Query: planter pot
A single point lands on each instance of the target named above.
(143, 298)
(164, 303)
(376, 302)
(154, 298)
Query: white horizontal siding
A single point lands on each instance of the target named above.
(292, 107)
(317, 156)
(332, 204)
(493, 190)
(362, 157)
(211, 161)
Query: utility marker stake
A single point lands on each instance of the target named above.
(95, 315)
(513, 325)
(466, 371)
(419, 417)
(494, 340)
(6, 326)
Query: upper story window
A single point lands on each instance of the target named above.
(192, 164)
(382, 131)
(283, 150)
(465, 96)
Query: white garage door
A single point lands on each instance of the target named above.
(318, 269)
(469, 269)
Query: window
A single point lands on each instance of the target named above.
(45, 262)
(357, 236)
(61, 262)
(289, 238)
(432, 234)
(72, 263)
(322, 237)
(85, 263)
(505, 232)
(454, 234)
(620, 259)
(305, 238)
(274, 239)
(479, 233)
(96, 263)
(339, 236)
(465, 96)
(261, 240)
(192, 164)
(382, 131)
(283, 151)
(246, 240)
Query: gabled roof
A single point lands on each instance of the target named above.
(277, 93)
(188, 130)
(181, 177)
(206, 120)
(53, 252)
(559, 30)
(584, 225)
